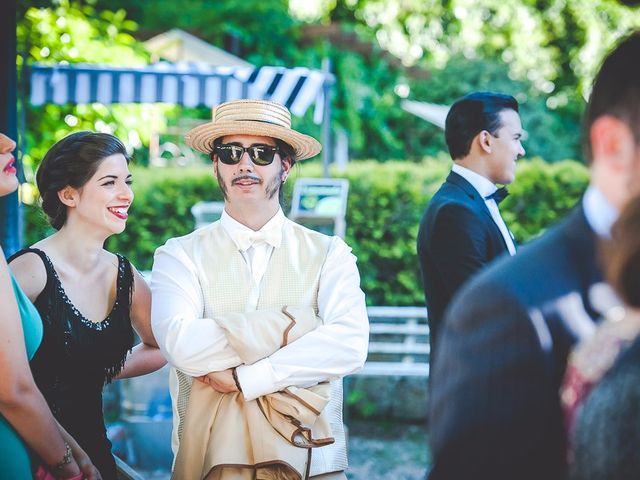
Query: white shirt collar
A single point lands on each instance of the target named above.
(483, 185)
(236, 230)
(600, 213)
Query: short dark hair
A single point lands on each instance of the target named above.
(616, 90)
(471, 114)
(72, 161)
(286, 151)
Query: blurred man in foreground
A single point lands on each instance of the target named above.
(495, 411)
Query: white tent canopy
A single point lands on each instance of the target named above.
(185, 84)
(431, 112)
(179, 46)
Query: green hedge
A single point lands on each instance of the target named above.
(386, 201)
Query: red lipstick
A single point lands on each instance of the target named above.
(11, 167)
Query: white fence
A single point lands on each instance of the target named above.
(398, 342)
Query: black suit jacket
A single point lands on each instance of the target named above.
(495, 408)
(457, 237)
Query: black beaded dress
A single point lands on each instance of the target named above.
(78, 356)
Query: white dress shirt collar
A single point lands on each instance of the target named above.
(238, 231)
(599, 212)
(483, 185)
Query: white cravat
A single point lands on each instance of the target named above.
(245, 239)
(256, 247)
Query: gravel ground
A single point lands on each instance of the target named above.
(385, 451)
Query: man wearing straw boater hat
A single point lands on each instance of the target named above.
(259, 317)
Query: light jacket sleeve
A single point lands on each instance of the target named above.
(336, 348)
(189, 342)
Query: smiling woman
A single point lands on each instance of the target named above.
(89, 299)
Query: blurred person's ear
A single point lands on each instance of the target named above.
(612, 142)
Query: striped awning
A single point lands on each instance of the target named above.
(184, 84)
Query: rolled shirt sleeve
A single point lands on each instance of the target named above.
(190, 343)
(335, 349)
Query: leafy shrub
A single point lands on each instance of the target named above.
(161, 209)
(386, 202)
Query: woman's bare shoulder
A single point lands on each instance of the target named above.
(30, 273)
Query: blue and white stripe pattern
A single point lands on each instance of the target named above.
(184, 84)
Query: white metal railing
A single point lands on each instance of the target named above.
(125, 472)
(398, 342)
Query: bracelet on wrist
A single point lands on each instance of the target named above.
(235, 379)
(66, 459)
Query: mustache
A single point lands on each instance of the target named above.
(255, 178)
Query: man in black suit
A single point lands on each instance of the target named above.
(495, 409)
(461, 229)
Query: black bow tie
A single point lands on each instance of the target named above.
(499, 195)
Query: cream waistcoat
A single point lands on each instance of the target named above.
(292, 278)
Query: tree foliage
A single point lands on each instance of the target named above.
(70, 32)
(549, 50)
(544, 52)
(385, 204)
(558, 41)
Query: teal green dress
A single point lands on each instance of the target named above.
(14, 455)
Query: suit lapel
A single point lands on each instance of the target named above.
(585, 253)
(460, 182)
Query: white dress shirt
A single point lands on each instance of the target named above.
(256, 253)
(601, 215)
(197, 345)
(485, 187)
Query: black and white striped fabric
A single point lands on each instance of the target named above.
(184, 84)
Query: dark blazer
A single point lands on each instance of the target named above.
(495, 408)
(457, 237)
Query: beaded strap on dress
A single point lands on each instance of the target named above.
(59, 308)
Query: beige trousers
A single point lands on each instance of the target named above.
(330, 476)
(245, 474)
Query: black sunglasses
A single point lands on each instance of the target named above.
(259, 154)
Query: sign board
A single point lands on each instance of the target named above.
(321, 203)
(317, 203)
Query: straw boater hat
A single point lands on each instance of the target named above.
(252, 117)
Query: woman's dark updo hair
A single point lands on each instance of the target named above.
(622, 255)
(72, 162)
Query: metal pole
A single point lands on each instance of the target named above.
(326, 119)
(10, 219)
